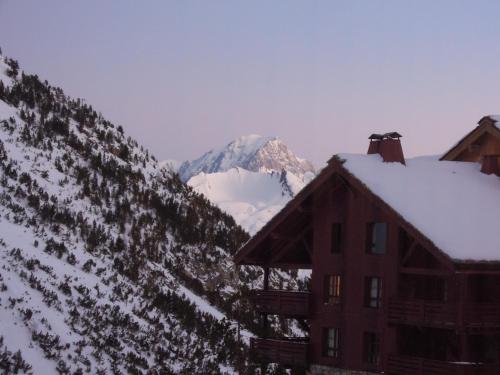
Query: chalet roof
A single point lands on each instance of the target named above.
(496, 119)
(487, 124)
(452, 203)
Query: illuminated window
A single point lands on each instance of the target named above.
(332, 289)
(331, 342)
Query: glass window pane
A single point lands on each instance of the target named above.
(332, 289)
(331, 342)
(379, 238)
(373, 291)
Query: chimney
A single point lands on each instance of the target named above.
(491, 164)
(388, 145)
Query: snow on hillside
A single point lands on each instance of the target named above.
(252, 198)
(108, 262)
(170, 165)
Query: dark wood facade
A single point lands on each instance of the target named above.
(382, 297)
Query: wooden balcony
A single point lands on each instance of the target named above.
(444, 315)
(400, 365)
(421, 312)
(282, 302)
(289, 352)
(482, 315)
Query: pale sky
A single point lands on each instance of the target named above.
(183, 76)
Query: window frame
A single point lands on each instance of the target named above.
(332, 289)
(373, 300)
(373, 239)
(371, 348)
(331, 343)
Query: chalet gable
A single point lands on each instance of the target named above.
(484, 140)
(450, 208)
(285, 241)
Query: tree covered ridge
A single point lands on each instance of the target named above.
(97, 202)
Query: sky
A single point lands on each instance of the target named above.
(183, 77)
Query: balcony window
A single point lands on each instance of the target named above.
(376, 238)
(336, 238)
(332, 289)
(371, 348)
(331, 342)
(373, 292)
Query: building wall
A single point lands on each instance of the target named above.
(487, 144)
(354, 264)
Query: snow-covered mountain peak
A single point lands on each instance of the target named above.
(253, 152)
(251, 178)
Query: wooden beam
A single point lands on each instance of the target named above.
(307, 247)
(424, 271)
(346, 183)
(306, 210)
(266, 279)
(290, 244)
(277, 236)
(265, 319)
(480, 272)
(412, 248)
(284, 265)
(294, 266)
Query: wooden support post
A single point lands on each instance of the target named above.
(265, 320)
(462, 299)
(462, 305)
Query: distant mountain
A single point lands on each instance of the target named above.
(251, 178)
(253, 153)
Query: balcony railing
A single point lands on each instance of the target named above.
(282, 302)
(443, 314)
(289, 352)
(482, 315)
(401, 365)
(414, 311)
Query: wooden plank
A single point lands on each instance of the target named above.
(425, 271)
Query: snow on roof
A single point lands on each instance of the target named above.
(452, 203)
(495, 118)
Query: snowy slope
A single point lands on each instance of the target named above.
(252, 198)
(108, 263)
(170, 165)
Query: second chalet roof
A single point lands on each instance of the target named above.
(452, 203)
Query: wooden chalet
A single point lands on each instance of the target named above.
(405, 262)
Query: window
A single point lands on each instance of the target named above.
(376, 238)
(371, 348)
(332, 289)
(373, 292)
(336, 244)
(331, 342)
